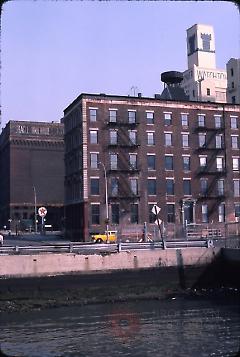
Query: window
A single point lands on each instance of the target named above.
(167, 118)
(235, 163)
(186, 163)
(94, 160)
(220, 187)
(233, 99)
(204, 213)
(208, 91)
(218, 141)
(150, 138)
(170, 186)
(115, 213)
(133, 161)
(221, 213)
(134, 186)
(168, 162)
(232, 85)
(93, 136)
(187, 187)
(114, 186)
(113, 161)
(168, 139)
(132, 137)
(203, 161)
(113, 137)
(206, 38)
(236, 188)
(151, 186)
(93, 115)
(131, 117)
(112, 116)
(151, 215)
(218, 121)
(151, 162)
(233, 123)
(185, 140)
(95, 213)
(219, 163)
(237, 210)
(150, 117)
(204, 186)
(170, 213)
(231, 70)
(234, 139)
(94, 186)
(134, 213)
(202, 140)
(201, 120)
(184, 119)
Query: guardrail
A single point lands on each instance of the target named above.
(91, 248)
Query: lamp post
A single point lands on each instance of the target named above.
(35, 209)
(106, 197)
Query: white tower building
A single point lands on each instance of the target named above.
(233, 81)
(202, 81)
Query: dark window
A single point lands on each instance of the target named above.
(131, 117)
(204, 186)
(94, 160)
(151, 162)
(93, 136)
(115, 213)
(232, 84)
(150, 117)
(112, 116)
(234, 100)
(95, 214)
(170, 187)
(94, 186)
(186, 163)
(191, 43)
(187, 187)
(134, 213)
(170, 213)
(167, 118)
(208, 91)
(206, 38)
(152, 186)
(231, 72)
(237, 210)
(93, 115)
(168, 162)
(114, 186)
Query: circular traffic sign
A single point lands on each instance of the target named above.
(42, 211)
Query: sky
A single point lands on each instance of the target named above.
(52, 51)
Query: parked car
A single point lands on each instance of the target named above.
(107, 237)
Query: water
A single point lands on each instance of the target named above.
(177, 327)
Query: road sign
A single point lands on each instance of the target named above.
(156, 209)
(158, 221)
(42, 211)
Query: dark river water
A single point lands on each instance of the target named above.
(177, 327)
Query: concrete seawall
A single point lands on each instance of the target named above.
(55, 264)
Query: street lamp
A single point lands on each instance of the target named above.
(106, 196)
(35, 209)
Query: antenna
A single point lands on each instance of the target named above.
(133, 91)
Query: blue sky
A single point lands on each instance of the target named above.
(51, 51)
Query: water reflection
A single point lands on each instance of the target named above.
(145, 328)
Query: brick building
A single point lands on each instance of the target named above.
(32, 167)
(183, 156)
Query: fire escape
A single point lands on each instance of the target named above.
(125, 145)
(214, 170)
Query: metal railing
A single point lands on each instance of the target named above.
(91, 248)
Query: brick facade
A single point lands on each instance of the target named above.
(178, 155)
(31, 156)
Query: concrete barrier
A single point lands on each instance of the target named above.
(56, 264)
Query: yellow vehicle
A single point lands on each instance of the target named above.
(107, 237)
